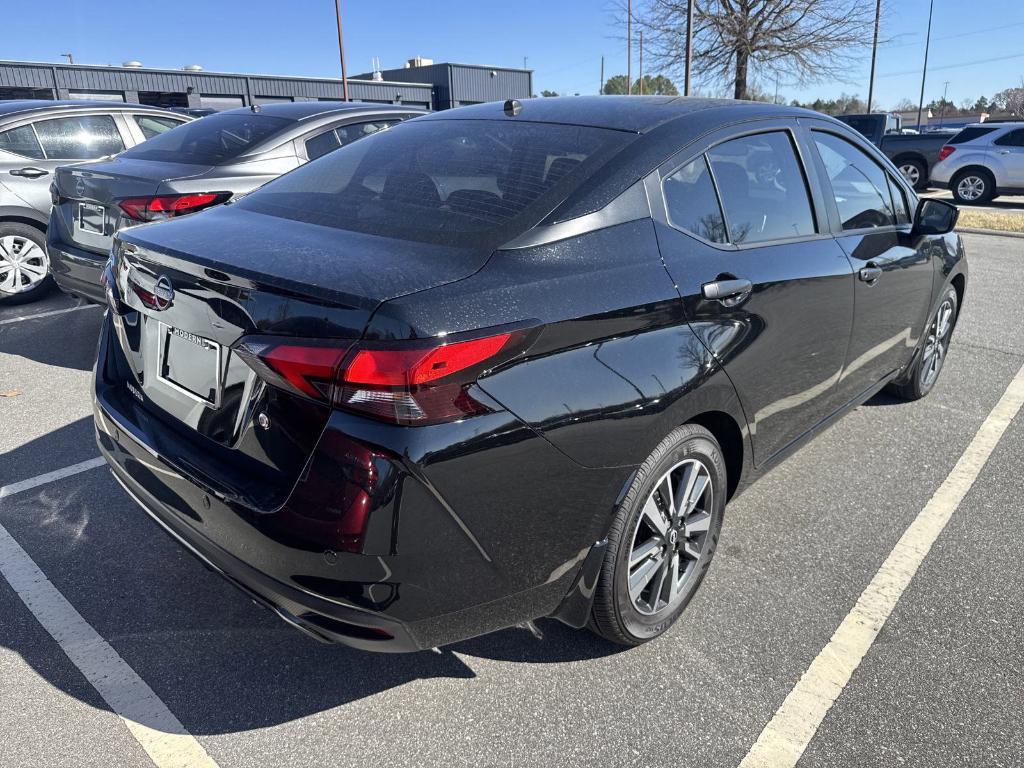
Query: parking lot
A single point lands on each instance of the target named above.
(942, 684)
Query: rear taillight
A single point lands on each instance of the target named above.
(410, 383)
(167, 206)
(946, 151)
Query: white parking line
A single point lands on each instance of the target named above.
(49, 477)
(787, 735)
(154, 726)
(51, 313)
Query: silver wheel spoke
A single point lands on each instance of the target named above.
(659, 584)
(641, 553)
(691, 550)
(654, 516)
(642, 577)
(673, 590)
(698, 522)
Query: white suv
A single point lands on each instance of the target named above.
(981, 162)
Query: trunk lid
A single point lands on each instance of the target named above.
(227, 274)
(87, 195)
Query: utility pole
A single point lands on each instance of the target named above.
(341, 51)
(641, 62)
(874, 54)
(942, 109)
(689, 46)
(524, 62)
(629, 47)
(600, 89)
(924, 71)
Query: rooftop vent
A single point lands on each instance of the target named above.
(193, 68)
(132, 64)
(419, 61)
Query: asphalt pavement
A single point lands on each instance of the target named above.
(942, 684)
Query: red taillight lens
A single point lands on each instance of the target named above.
(166, 206)
(399, 383)
(946, 151)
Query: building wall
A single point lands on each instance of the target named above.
(32, 80)
(460, 84)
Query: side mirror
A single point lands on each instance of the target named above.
(935, 217)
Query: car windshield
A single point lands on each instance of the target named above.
(211, 140)
(459, 182)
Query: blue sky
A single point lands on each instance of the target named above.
(563, 40)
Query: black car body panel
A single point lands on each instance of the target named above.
(499, 515)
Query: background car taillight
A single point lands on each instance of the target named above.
(167, 206)
(946, 151)
(402, 383)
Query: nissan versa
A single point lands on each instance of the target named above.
(511, 361)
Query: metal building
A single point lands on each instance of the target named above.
(432, 86)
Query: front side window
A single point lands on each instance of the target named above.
(211, 140)
(899, 202)
(859, 184)
(84, 137)
(692, 203)
(151, 125)
(1011, 139)
(762, 187)
(21, 141)
(457, 182)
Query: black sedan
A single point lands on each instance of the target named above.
(512, 361)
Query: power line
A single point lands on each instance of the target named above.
(958, 65)
(957, 35)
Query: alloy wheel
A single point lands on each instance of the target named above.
(23, 264)
(669, 537)
(971, 188)
(935, 347)
(911, 173)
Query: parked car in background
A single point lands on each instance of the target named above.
(914, 154)
(35, 138)
(982, 162)
(207, 162)
(505, 362)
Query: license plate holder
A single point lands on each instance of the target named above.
(190, 364)
(91, 218)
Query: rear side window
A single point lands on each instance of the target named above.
(859, 185)
(82, 137)
(458, 182)
(328, 141)
(1011, 139)
(151, 125)
(212, 140)
(320, 145)
(970, 134)
(692, 203)
(762, 188)
(21, 141)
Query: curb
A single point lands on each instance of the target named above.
(996, 232)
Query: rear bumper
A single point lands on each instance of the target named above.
(325, 620)
(74, 269)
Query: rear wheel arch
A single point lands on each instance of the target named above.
(16, 219)
(730, 438)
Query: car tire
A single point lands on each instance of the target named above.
(690, 458)
(915, 172)
(973, 186)
(920, 378)
(24, 265)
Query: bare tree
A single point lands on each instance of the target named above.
(1011, 100)
(800, 41)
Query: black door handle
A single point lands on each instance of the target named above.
(732, 291)
(29, 173)
(870, 273)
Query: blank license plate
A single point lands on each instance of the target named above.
(191, 363)
(91, 217)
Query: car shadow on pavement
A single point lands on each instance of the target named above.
(220, 663)
(66, 340)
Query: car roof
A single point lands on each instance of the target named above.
(23, 106)
(636, 114)
(304, 110)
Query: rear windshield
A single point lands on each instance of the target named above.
(211, 140)
(969, 134)
(459, 182)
